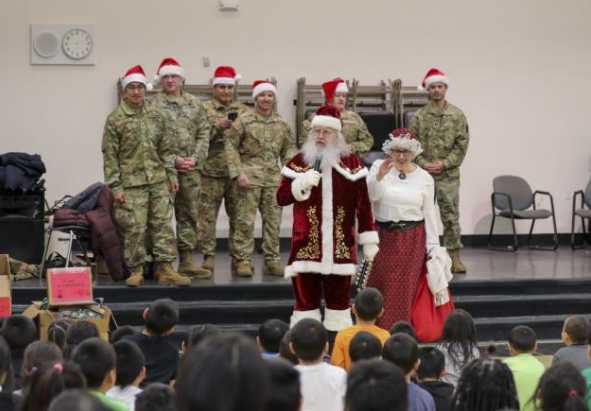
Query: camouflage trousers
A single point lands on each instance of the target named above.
(250, 200)
(185, 210)
(447, 193)
(213, 191)
(146, 215)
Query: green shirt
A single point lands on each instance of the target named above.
(109, 402)
(527, 371)
(587, 374)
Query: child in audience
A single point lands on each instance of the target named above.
(323, 385)
(156, 397)
(131, 371)
(459, 344)
(376, 385)
(8, 401)
(285, 392)
(37, 355)
(561, 388)
(18, 331)
(121, 332)
(285, 351)
(364, 346)
(526, 368)
(199, 333)
(77, 400)
(270, 334)
(403, 327)
(159, 342)
(575, 333)
(56, 333)
(77, 333)
(402, 350)
(97, 361)
(368, 307)
(431, 369)
(485, 385)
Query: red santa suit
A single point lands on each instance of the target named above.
(323, 249)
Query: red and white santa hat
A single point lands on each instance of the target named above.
(135, 74)
(332, 87)
(434, 75)
(169, 67)
(261, 86)
(328, 116)
(402, 139)
(225, 75)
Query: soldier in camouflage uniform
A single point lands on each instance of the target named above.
(188, 123)
(216, 183)
(442, 129)
(138, 156)
(258, 142)
(354, 129)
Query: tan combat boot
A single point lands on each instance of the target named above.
(457, 267)
(243, 268)
(273, 267)
(136, 278)
(167, 276)
(208, 263)
(189, 268)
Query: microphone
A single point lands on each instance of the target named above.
(317, 164)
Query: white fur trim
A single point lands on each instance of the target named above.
(290, 173)
(327, 121)
(350, 176)
(405, 143)
(171, 70)
(320, 267)
(297, 316)
(134, 78)
(326, 226)
(299, 193)
(368, 237)
(262, 88)
(224, 80)
(336, 320)
(342, 88)
(436, 79)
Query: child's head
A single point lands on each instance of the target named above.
(77, 333)
(364, 346)
(97, 361)
(522, 339)
(576, 330)
(270, 334)
(161, 317)
(77, 400)
(121, 332)
(432, 363)
(131, 363)
(285, 394)
(403, 327)
(459, 328)
(155, 397)
(5, 366)
(57, 331)
(18, 331)
(403, 351)
(37, 355)
(369, 304)
(309, 340)
(562, 387)
(285, 351)
(199, 333)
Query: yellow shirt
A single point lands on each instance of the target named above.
(340, 353)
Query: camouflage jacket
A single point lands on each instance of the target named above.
(137, 148)
(444, 135)
(256, 145)
(217, 163)
(354, 130)
(188, 124)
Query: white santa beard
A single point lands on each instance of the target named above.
(330, 154)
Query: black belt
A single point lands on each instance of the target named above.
(398, 225)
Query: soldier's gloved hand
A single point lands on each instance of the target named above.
(370, 251)
(311, 178)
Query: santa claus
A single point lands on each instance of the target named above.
(325, 182)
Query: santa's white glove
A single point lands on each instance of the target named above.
(370, 251)
(311, 178)
(302, 185)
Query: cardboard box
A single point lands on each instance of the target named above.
(5, 287)
(44, 318)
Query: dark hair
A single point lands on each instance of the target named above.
(96, 359)
(402, 350)
(285, 352)
(369, 303)
(364, 346)
(121, 332)
(432, 363)
(403, 327)
(130, 362)
(18, 331)
(37, 355)
(485, 385)
(224, 372)
(285, 394)
(577, 328)
(522, 338)
(375, 385)
(308, 339)
(6, 370)
(162, 316)
(270, 334)
(77, 333)
(459, 338)
(155, 397)
(198, 333)
(77, 400)
(561, 388)
(57, 331)
(48, 382)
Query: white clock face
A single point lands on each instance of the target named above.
(77, 44)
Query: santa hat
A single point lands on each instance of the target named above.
(135, 74)
(402, 139)
(434, 75)
(260, 86)
(169, 67)
(225, 75)
(328, 116)
(332, 87)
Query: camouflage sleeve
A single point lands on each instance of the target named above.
(110, 149)
(231, 143)
(460, 147)
(415, 127)
(167, 151)
(288, 147)
(202, 138)
(306, 128)
(364, 141)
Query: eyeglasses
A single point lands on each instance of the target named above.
(405, 153)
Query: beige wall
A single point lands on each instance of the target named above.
(519, 69)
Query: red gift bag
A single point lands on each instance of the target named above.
(427, 319)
